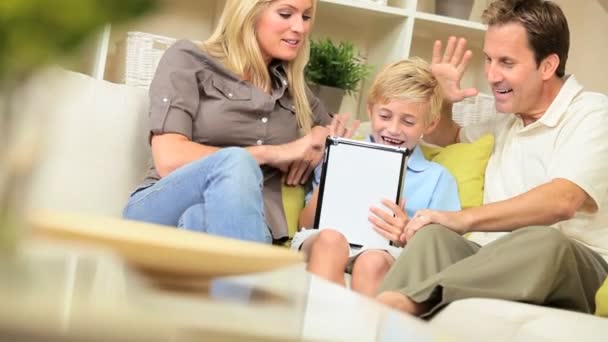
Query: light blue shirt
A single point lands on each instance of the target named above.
(428, 185)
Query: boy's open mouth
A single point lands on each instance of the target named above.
(392, 141)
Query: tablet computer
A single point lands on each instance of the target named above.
(357, 175)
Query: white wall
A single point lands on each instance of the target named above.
(588, 59)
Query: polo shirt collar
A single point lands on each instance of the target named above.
(570, 89)
(416, 161)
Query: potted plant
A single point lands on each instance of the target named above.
(333, 70)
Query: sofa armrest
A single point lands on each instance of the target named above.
(478, 319)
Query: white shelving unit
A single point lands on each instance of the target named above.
(382, 33)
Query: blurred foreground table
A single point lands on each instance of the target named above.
(74, 292)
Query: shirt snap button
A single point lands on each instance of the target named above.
(230, 95)
(259, 142)
(165, 99)
(264, 119)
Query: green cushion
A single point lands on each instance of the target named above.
(601, 300)
(467, 163)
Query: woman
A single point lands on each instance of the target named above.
(226, 119)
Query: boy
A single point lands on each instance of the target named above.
(403, 105)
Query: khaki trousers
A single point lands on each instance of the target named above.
(537, 265)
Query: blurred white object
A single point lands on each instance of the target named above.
(96, 148)
(475, 109)
(142, 52)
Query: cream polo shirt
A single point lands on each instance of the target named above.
(569, 141)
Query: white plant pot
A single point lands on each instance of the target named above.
(460, 9)
(330, 96)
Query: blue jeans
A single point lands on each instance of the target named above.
(220, 194)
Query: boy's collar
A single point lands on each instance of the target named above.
(417, 162)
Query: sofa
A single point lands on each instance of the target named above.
(95, 152)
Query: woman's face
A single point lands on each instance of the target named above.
(282, 28)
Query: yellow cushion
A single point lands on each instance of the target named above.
(601, 300)
(467, 163)
(293, 203)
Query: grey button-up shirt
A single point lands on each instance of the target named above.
(194, 95)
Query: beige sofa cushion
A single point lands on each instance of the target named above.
(496, 320)
(95, 145)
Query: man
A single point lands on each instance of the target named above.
(543, 229)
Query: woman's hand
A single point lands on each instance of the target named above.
(453, 220)
(299, 170)
(390, 225)
(281, 156)
(449, 67)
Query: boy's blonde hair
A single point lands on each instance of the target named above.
(408, 80)
(234, 43)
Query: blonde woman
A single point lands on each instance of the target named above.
(226, 123)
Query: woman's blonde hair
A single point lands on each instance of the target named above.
(408, 80)
(234, 43)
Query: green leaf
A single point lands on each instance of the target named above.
(35, 32)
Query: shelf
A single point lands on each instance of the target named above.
(360, 12)
(435, 26)
(381, 33)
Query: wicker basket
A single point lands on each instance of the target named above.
(474, 109)
(140, 53)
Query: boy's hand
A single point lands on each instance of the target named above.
(391, 226)
(339, 126)
(449, 67)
